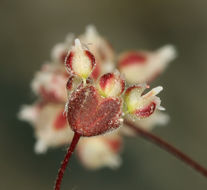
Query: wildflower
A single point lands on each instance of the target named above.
(145, 66)
(142, 105)
(100, 151)
(96, 96)
(98, 100)
(51, 128)
(49, 84)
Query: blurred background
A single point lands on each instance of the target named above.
(29, 29)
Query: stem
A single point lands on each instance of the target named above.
(167, 147)
(68, 155)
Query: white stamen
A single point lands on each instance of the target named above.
(157, 90)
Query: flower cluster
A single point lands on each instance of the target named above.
(91, 89)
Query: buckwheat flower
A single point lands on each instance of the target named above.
(96, 108)
(95, 96)
(145, 66)
(140, 105)
(49, 83)
(98, 152)
(51, 129)
(81, 97)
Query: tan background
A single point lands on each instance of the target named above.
(29, 29)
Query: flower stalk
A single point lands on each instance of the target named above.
(64, 164)
(167, 147)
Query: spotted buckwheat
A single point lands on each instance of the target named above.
(81, 87)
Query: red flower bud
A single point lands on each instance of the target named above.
(111, 85)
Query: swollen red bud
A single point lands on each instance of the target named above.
(142, 105)
(89, 114)
(80, 61)
(111, 85)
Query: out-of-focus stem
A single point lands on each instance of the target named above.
(68, 155)
(167, 147)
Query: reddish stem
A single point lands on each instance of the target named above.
(68, 155)
(168, 147)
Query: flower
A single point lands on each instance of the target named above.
(144, 66)
(100, 151)
(49, 84)
(81, 87)
(142, 105)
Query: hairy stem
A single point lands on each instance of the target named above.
(68, 155)
(167, 147)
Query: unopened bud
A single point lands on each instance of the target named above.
(111, 85)
(80, 61)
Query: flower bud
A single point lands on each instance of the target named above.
(111, 85)
(142, 105)
(80, 61)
